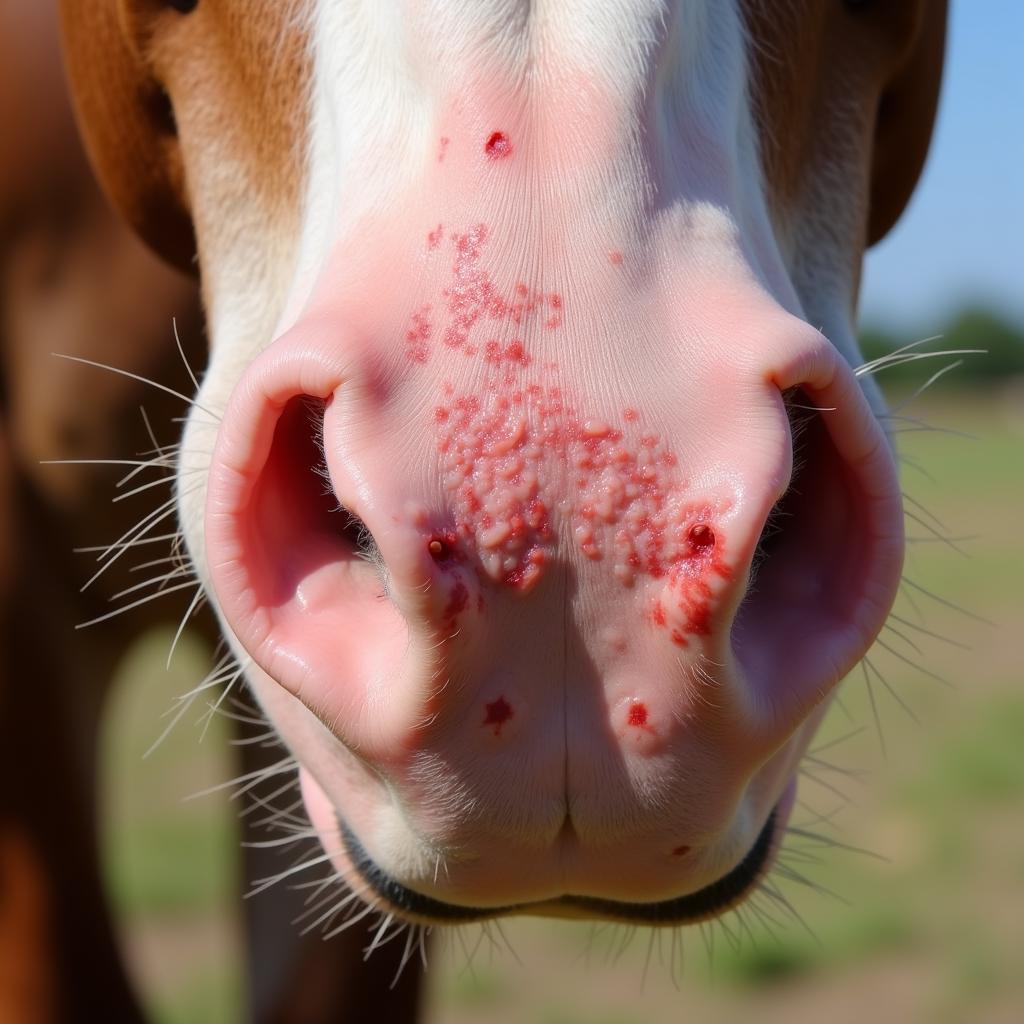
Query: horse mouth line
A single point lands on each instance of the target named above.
(707, 902)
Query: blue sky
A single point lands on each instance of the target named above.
(962, 237)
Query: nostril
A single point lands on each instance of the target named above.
(299, 576)
(348, 526)
(809, 544)
(799, 414)
(827, 554)
(297, 520)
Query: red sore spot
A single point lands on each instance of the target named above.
(637, 715)
(442, 147)
(434, 237)
(680, 851)
(678, 639)
(658, 615)
(630, 415)
(442, 546)
(516, 354)
(701, 536)
(498, 712)
(615, 258)
(497, 146)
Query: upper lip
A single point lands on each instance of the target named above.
(706, 902)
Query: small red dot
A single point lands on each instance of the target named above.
(615, 258)
(498, 146)
(637, 714)
(498, 712)
(679, 851)
(440, 548)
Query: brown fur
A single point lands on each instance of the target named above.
(877, 69)
(239, 74)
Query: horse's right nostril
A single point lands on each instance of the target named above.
(299, 576)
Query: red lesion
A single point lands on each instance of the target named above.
(680, 851)
(417, 337)
(498, 146)
(497, 713)
(701, 537)
(637, 717)
(442, 546)
(690, 574)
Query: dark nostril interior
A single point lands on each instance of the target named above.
(345, 523)
(801, 416)
(808, 572)
(298, 516)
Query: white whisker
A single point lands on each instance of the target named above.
(142, 380)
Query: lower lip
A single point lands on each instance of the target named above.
(323, 816)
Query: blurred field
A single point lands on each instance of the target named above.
(930, 929)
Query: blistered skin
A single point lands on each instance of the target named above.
(565, 438)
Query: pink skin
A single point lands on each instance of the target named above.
(566, 468)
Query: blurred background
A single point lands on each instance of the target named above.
(914, 800)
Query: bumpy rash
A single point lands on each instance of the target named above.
(619, 494)
(684, 608)
(417, 337)
(472, 296)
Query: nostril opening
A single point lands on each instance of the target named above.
(812, 562)
(800, 415)
(298, 520)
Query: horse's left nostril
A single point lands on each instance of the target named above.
(825, 564)
(799, 414)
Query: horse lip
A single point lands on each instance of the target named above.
(707, 902)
